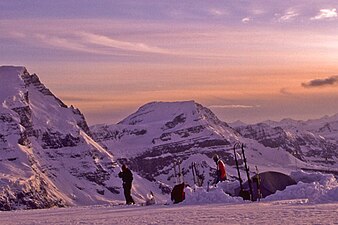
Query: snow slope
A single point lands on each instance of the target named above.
(158, 123)
(279, 212)
(314, 200)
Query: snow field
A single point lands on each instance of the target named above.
(314, 200)
(313, 188)
(283, 212)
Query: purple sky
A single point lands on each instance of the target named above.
(247, 60)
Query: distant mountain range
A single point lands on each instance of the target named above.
(50, 157)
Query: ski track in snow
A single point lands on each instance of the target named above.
(278, 212)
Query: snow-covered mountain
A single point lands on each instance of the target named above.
(47, 155)
(161, 125)
(312, 140)
(160, 133)
(326, 126)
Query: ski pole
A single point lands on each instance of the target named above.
(237, 167)
(193, 172)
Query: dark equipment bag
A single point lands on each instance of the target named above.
(178, 194)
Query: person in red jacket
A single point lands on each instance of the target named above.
(220, 171)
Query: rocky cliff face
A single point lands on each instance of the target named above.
(308, 141)
(47, 157)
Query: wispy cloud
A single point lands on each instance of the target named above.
(87, 42)
(233, 106)
(289, 15)
(321, 82)
(123, 45)
(246, 20)
(62, 42)
(217, 12)
(326, 14)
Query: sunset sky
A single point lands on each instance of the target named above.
(247, 60)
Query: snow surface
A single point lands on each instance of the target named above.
(278, 212)
(314, 200)
(313, 187)
(11, 83)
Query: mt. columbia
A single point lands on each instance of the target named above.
(50, 157)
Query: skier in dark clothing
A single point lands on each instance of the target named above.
(127, 179)
(221, 173)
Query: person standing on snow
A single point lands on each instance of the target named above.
(220, 171)
(127, 179)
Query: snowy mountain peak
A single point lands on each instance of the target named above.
(11, 81)
(237, 123)
(155, 112)
(171, 114)
(12, 70)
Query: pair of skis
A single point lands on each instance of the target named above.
(195, 175)
(258, 183)
(179, 175)
(178, 172)
(246, 195)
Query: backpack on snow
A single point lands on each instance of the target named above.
(178, 194)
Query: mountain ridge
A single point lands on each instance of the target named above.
(50, 157)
